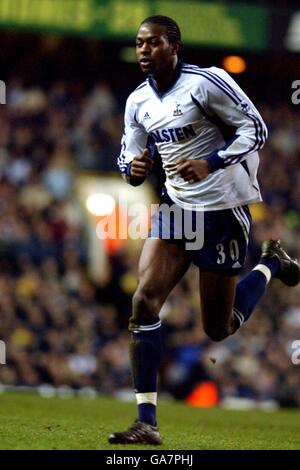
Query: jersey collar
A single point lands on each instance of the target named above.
(177, 73)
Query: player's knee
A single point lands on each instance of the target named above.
(145, 303)
(216, 332)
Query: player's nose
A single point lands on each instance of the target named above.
(145, 48)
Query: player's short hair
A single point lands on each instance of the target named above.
(172, 29)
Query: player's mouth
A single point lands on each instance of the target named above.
(145, 62)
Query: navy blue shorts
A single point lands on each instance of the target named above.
(215, 240)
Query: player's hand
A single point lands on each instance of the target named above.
(141, 165)
(193, 170)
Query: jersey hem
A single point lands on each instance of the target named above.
(202, 208)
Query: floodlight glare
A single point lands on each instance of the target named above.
(100, 204)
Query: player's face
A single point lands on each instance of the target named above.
(153, 50)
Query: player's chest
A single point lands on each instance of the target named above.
(174, 112)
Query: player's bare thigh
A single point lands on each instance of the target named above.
(217, 293)
(161, 266)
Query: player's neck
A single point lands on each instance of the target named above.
(164, 80)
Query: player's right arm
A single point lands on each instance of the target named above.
(141, 165)
(134, 160)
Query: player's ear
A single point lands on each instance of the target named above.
(176, 47)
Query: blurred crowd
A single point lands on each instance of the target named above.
(62, 329)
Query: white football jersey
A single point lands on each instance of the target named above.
(204, 114)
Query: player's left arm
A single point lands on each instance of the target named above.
(220, 96)
(193, 170)
(224, 98)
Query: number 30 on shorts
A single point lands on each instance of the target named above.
(233, 251)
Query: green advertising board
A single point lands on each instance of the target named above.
(202, 23)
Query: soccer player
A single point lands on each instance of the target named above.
(207, 132)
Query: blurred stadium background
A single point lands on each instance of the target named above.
(65, 296)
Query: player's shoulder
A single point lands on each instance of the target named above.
(139, 92)
(204, 79)
(203, 73)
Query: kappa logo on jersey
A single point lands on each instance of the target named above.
(147, 115)
(177, 111)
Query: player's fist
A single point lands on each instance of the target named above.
(141, 165)
(193, 170)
